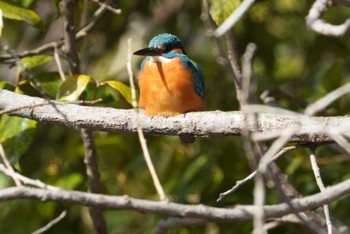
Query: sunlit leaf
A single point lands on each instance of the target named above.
(35, 61)
(1, 23)
(75, 86)
(4, 181)
(220, 10)
(21, 14)
(123, 89)
(16, 135)
(70, 181)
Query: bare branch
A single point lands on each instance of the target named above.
(314, 21)
(247, 72)
(51, 223)
(49, 47)
(8, 165)
(108, 7)
(233, 18)
(26, 180)
(59, 64)
(244, 212)
(321, 186)
(325, 101)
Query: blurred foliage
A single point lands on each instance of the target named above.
(290, 58)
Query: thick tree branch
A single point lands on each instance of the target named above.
(213, 123)
(241, 212)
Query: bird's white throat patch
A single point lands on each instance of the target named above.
(159, 59)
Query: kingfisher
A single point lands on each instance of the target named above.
(170, 83)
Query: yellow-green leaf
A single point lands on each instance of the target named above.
(220, 10)
(123, 89)
(35, 61)
(78, 87)
(1, 23)
(70, 181)
(21, 14)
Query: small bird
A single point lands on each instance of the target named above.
(170, 83)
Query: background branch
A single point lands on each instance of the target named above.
(314, 21)
(238, 213)
(90, 159)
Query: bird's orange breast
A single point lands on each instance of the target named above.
(168, 89)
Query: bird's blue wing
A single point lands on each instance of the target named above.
(197, 77)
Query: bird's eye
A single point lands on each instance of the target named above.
(167, 49)
(162, 48)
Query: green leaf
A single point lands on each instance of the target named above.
(16, 135)
(50, 82)
(24, 3)
(6, 85)
(123, 89)
(36, 60)
(21, 14)
(74, 86)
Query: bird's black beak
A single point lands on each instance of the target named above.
(150, 51)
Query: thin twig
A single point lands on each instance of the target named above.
(59, 64)
(247, 72)
(26, 71)
(234, 61)
(269, 155)
(26, 180)
(287, 192)
(259, 202)
(142, 139)
(57, 44)
(233, 18)
(321, 186)
(239, 183)
(339, 138)
(108, 7)
(229, 60)
(51, 223)
(325, 101)
(8, 165)
(314, 21)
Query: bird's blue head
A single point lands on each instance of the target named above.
(162, 44)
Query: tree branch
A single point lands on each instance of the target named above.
(90, 159)
(238, 213)
(212, 123)
(314, 21)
